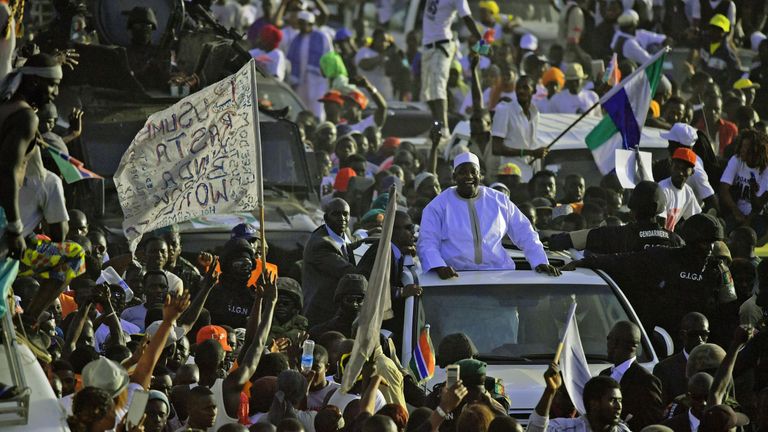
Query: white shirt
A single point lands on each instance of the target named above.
(681, 203)
(518, 132)
(636, 47)
(699, 181)
(617, 372)
(378, 75)
(41, 199)
(341, 400)
(566, 102)
(228, 14)
(692, 420)
(7, 45)
(363, 124)
(274, 62)
(315, 399)
(737, 173)
(696, 11)
(537, 423)
(102, 333)
(466, 234)
(438, 16)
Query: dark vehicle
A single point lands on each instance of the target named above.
(116, 106)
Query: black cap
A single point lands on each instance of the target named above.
(233, 247)
(648, 199)
(702, 227)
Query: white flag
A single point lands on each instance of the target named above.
(199, 157)
(573, 362)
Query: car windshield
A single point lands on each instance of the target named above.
(279, 97)
(280, 162)
(524, 322)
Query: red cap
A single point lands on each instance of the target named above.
(333, 96)
(391, 143)
(685, 154)
(213, 332)
(342, 179)
(358, 98)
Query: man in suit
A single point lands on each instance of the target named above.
(641, 391)
(327, 257)
(698, 392)
(694, 331)
(402, 280)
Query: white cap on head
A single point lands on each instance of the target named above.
(306, 16)
(529, 42)
(756, 39)
(466, 157)
(628, 17)
(173, 337)
(682, 133)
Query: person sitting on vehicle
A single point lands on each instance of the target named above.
(694, 331)
(602, 400)
(646, 203)
(355, 102)
(288, 321)
(149, 64)
(348, 298)
(681, 201)
(471, 214)
(267, 54)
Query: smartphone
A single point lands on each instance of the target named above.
(452, 375)
(137, 408)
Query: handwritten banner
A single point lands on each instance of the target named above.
(196, 158)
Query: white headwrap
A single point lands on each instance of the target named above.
(12, 81)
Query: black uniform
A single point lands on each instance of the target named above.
(633, 237)
(662, 284)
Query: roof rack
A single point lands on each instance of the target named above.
(16, 410)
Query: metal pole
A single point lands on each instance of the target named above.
(258, 165)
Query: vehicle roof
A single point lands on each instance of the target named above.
(515, 277)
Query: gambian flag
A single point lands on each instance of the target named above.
(423, 359)
(613, 74)
(626, 107)
(71, 169)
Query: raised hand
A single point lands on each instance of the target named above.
(174, 306)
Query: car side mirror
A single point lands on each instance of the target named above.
(662, 343)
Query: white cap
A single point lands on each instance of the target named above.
(306, 16)
(628, 17)
(756, 39)
(681, 133)
(529, 42)
(175, 334)
(466, 157)
(419, 179)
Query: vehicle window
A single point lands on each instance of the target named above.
(280, 97)
(280, 162)
(519, 322)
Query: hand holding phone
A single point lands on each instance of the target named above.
(452, 375)
(135, 414)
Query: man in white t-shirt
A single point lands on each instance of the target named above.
(514, 130)
(684, 135)
(438, 51)
(681, 201)
(41, 197)
(573, 99)
(371, 62)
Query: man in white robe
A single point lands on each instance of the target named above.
(463, 227)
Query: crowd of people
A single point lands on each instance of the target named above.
(219, 340)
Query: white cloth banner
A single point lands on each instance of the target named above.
(573, 362)
(199, 157)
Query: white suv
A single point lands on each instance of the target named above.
(516, 318)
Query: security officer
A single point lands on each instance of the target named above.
(663, 284)
(646, 202)
(149, 64)
(716, 56)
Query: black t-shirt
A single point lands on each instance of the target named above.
(229, 305)
(632, 237)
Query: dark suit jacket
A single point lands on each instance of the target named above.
(365, 267)
(324, 265)
(678, 423)
(641, 393)
(671, 373)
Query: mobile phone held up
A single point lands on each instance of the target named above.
(452, 375)
(137, 408)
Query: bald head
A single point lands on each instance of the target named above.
(78, 222)
(699, 384)
(623, 341)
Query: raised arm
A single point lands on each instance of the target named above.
(724, 372)
(540, 417)
(116, 335)
(477, 92)
(76, 328)
(380, 116)
(188, 318)
(235, 381)
(172, 310)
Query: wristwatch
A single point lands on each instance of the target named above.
(443, 414)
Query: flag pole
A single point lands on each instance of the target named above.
(561, 344)
(607, 96)
(259, 168)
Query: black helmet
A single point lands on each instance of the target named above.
(647, 200)
(142, 15)
(233, 247)
(350, 284)
(702, 227)
(290, 287)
